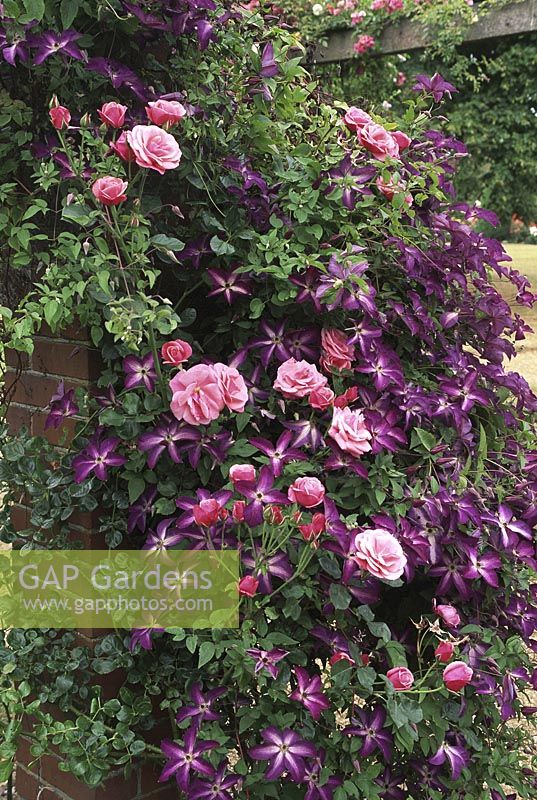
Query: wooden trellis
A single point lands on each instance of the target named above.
(407, 35)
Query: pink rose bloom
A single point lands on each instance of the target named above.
(444, 652)
(358, 17)
(395, 5)
(248, 586)
(154, 148)
(242, 472)
(400, 79)
(60, 117)
(112, 114)
(307, 492)
(356, 118)
(165, 111)
(449, 614)
(401, 678)
(348, 430)
(402, 140)
(321, 398)
(378, 141)
(336, 352)
(122, 149)
(457, 675)
(196, 395)
(176, 352)
(363, 44)
(206, 512)
(110, 191)
(380, 553)
(298, 378)
(232, 386)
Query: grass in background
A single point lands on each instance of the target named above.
(525, 261)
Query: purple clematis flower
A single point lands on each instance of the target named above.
(201, 710)
(308, 283)
(51, 43)
(260, 494)
(436, 85)
(482, 565)
(62, 405)
(352, 180)
(199, 442)
(312, 779)
(140, 372)
(264, 569)
(370, 727)
(285, 751)
(232, 285)
(119, 75)
(307, 434)
(384, 366)
(140, 510)
(164, 437)
(183, 759)
(16, 46)
(163, 538)
(279, 454)
(267, 660)
(216, 787)
(507, 524)
(391, 786)
(272, 342)
(308, 692)
(339, 286)
(143, 637)
(98, 455)
(455, 754)
(303, 344)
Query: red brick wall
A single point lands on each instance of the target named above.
(31, 381)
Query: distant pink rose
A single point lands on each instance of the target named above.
(206, 512)
(242, 472)
(349, 431)
(356, 118)
(154, 148)
(363, 43)
(196, 395)
(380, 553)
(248, 586)
(307, 492)
(457, 675)
(112, 114)
(122, 148)
(298, 378)
(232, 386)
(321, 398)
(402, 139)
(176, 352)
(165, 111)
(401, 678)
(378, 141)
(444, 652)
(60, 117)
(336, 352)
(449, 614)
(110, 191)
(400, 79)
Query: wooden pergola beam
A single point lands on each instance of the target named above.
(407, 35)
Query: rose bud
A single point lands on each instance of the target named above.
(444, 652)
(401, 678)
(60, 117)
(176, 352)
(237, 512)
(248, 586)
(457, 675)
(112, 114)
(315, 528)
(307, 492)
(449, 615)
(110, 191)
(206, 512)
(274, 515)
(122, 148)
(337, 657)
(242, 472)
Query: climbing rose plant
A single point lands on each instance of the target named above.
(304, 359)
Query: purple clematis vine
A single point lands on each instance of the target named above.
(285, 751)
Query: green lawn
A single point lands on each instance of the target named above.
(525, 261)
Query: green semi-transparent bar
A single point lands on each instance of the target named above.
(119, 589)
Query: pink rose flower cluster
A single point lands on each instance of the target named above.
(387, 5)
(456, 676)
(201, 393)
(336, 352)
(363, 44)
(375, 138)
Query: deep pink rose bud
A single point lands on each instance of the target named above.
(242, 472)
(337, 657)
(449, 615)
(60, 117)
(248, 586)
(401, 678)
(274, 515)
(315, 527)
(444, 652)
(112, 114)
(457, 675)
(206, 512)
(321, 398)
(237, 511)
(356, 118)
(165, 111)
(110, 191)
(176, 352)
(307, 492)
(122, 148)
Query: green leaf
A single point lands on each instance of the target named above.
(35, 9)
(427, 439)
(136, 487)
(340, 596)
(68, 11)
(221, 248)
(206, 652)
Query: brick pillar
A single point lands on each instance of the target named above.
(30, 383)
